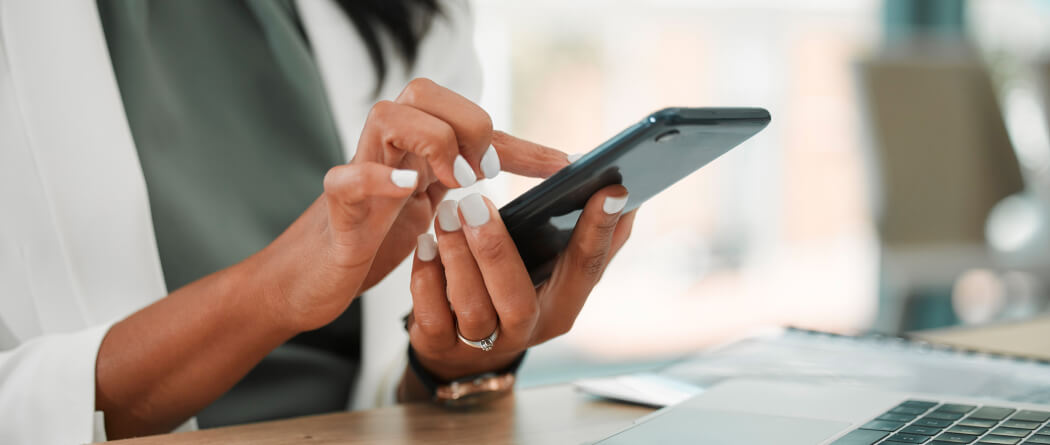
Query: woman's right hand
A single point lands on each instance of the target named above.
(411, 151)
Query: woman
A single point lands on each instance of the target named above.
(192, 189)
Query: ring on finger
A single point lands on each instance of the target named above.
(484, 344)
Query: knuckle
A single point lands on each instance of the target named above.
(416, 88)
(344, 181)
(482, 126)
(429, 328)
(591, 263)
(442, 141)
(475, 316)
(491, 249)
(523, 318)
(381, 111)
(564, 327)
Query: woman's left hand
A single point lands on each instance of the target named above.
(474, 280)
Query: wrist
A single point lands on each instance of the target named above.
(265, 295)
(419, 384)
(446, 371)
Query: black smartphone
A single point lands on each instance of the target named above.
(646, 158)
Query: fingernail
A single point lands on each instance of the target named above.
(474, 210)
(404, 178)
(490, 163)
(448, 218)
(463, 173)
(613, 204)
(426, 247)
(575, 157)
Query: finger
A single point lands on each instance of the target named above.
(394, 129)
(623, 231)
(475, 315)
(502, 269)
(584, 260)
(526, 158)
(350, 191)
(432, 325)
(472, 124)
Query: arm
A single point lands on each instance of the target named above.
(164, 363)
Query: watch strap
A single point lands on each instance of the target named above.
(431, 382)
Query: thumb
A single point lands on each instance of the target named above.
(526, 158)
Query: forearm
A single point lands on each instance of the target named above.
(164, 363)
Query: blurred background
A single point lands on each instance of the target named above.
(903, 184)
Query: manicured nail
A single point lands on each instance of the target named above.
(575, 157)
(463, 173)
(448, 217)
(490, 163)
(614, 204)
(474, 210)
(404, 178)
(426, 247)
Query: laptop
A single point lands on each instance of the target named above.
(756, 412)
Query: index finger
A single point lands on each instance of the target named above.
(472, 125)
(526, 158)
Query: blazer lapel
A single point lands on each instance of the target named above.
(84, 152)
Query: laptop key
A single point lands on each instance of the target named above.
(981, 423)
(907, 438)
(998, 440)
(922, 404)
(1038, 439)
(1031, 415)
(957, 438)
(1012, 432)
(907, 410)
(963, 429)
(992, 413)
(1023, 424)
(955, 408)
(936, 423)
(860, 437)
(882, 425)
(923, 430)
(896, 417)
(943, 415)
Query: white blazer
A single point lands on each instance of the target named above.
(77, 251)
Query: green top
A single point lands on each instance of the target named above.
(234, 135)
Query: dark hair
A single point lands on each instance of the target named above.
(405, 21)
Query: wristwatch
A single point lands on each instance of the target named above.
(466, 391)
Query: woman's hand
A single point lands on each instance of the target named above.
(411, 152)
(473, 279)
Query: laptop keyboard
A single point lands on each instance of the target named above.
(933, 423)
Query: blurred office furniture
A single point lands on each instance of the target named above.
(943, 160)
(539, 415)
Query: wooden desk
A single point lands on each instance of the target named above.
(544, 415)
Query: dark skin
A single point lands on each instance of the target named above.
(163, 364)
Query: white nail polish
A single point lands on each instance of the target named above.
(448, 216)
(613, 204)
(475, 211)
(404, 178)
(575, 157)
(463, 172)
(426, 247)
(490, 163)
